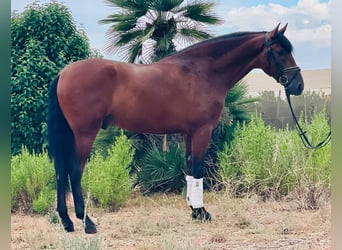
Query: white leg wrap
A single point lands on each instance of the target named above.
(189, 180)
(196, 197)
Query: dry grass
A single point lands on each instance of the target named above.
(163, 222)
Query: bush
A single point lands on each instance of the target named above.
(276, 163)
(250, 154)
(162, 171)
(32, 182)
(313, 178)
(107, 179)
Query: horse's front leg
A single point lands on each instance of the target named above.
(195, 162)
(189, 171)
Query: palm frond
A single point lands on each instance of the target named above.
(202, 12)
(238, 94)
(129, 37)
(123, 27)
(238, 103)
(195, 33)
(140, 7)
(165, 5)
(135, 51)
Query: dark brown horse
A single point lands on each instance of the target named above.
(183, 93)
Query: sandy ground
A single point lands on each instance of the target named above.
(163, 222)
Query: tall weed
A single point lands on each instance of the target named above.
(107, 179)
(275, 163)
(32, 182)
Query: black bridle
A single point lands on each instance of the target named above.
(286, 82)
(282, 77)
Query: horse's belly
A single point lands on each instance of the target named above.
(147, 122)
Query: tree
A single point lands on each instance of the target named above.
(44, 39)
(146, 31)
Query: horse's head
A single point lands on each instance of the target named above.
(280, 62)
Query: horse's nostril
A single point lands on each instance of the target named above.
(300, 88)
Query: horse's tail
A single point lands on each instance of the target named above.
(61, 142)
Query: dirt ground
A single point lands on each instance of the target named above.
(163, 222)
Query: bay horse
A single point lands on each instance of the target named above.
(182, 93)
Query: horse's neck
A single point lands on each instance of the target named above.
(239, 60)
(228, 62)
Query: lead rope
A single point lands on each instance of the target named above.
(302, 134)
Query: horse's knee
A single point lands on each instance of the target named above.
(198, 167)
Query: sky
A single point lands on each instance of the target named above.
(309, 23)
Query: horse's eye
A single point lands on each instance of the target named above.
(281, 52)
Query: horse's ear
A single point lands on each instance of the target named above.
(274, 32)
(283, 29)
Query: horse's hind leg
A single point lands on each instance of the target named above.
(62, 183)
(75, 179)
(83, 147)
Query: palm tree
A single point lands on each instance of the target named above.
(144, 31)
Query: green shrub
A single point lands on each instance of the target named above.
(313, 177)
(44, 200)
(250, 154)
(277, 163)
(162, 171)
(107, 179)
(32, 182)
(104, 140)
(320, 160)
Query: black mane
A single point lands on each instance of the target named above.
(284, 42)
(279, 38)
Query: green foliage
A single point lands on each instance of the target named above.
(44, 39)
(136, 23)
(162, 171)
(319, 161)
(44, 200)
(107, 179)
(104, 140)
(32, 182)
(276, 163)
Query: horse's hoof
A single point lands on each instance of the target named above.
(69, 227)
(89, 226)
(90, 230)
(200, 214)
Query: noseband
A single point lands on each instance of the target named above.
(282, 77)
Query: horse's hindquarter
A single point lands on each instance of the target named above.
(85, 93)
